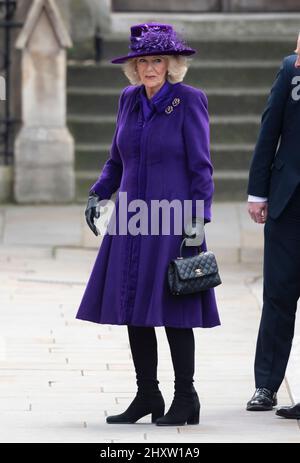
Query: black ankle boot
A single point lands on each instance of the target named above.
(143, 404)
(185, 408)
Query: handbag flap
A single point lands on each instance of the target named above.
(201, 265)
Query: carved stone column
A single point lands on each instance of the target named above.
(44, 148)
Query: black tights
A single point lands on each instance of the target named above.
(143, 344)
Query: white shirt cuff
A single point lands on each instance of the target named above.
(256, 199)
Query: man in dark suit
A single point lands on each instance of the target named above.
(274, 200)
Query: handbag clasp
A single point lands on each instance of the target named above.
(199, 271)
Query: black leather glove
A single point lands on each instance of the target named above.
(196, 238)
(91, 211)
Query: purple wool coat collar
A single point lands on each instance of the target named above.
(159, 101)
(149, 105)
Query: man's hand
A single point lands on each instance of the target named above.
(258, 211)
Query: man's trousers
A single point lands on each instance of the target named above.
(281, 292)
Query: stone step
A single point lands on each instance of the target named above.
(214, 48)
(100, 101)
(212, 74)
(221, 25)
(91, 157)
(228, 185)
(238, 129)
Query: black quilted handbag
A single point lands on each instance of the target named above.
(187, 275)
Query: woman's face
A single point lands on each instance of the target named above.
(152, 70)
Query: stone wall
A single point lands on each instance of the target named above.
(84, 16)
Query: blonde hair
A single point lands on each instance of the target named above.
(177, 69)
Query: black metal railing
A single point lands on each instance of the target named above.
(7, 121)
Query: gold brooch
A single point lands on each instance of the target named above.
(169, 109)
(176, 101)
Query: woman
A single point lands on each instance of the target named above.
(160, 150)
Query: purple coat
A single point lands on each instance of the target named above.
(165, 156)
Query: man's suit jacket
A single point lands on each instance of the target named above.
(275, 167)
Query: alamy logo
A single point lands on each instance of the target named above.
(156, 217)
(2, 88)
(296, 90)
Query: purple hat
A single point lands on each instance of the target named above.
(154, 39)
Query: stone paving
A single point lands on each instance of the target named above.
(60, 377)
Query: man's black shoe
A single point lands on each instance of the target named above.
(292, 412)
(262, 399)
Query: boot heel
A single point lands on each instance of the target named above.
(194, 418)
(157, 414)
